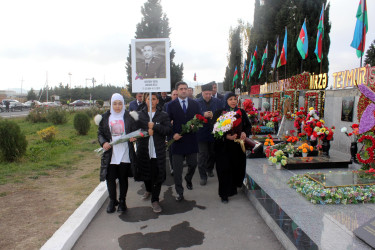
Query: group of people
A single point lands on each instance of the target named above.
(148, 162)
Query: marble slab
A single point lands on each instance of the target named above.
(313, 226)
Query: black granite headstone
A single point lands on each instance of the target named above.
(366, 232)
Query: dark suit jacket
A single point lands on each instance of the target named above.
(133, 105)
(205, 133)
(155, 69)
(188, 144)
(162, 102)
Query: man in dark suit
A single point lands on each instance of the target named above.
(150, 66)
(134, 105)
(185, 147)
(163, 99)
(209, 105)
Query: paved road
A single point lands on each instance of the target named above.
(199, 222)
(14, 114)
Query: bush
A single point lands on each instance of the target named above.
(100, 103)
(37, 115)
(82, 123)
(47, 134)
(57, 116)
(13, 142)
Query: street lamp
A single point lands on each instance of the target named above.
(70, 80)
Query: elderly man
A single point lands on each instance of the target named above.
(150, 66)
(134, 105)
(208, 105)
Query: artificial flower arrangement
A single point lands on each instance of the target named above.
(290, 149)
(299, 117)
(305, 148)
(270, 124)
(302, 136)
(226, 122)
(292, 139)
(269, 142)
(315, 128)
(251, 111)
(278, 157)
(318, 194)
(191, 126)
(352, 135)
(366, 174)
(255, 130)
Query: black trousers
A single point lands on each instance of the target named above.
(178, 160)
(153, 186)
(120, 172)
(206, 158)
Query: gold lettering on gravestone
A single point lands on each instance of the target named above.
(350, 77)
(363, 73)
(343, 77)
(334, 80)
(339, 80)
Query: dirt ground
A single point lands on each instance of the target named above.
(31, 211)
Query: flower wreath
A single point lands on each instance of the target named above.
(294, 97)
(319, 101)
(277, 100)
(363, 102)
(369, 151)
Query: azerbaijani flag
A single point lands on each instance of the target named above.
(264, 57)
(250, 63)
(361, 28)
(303, 41)
(319, 37)
(235, 77)
(195, 77)
(273, 65)
(283, 56)
(254, 59)
(243, 73)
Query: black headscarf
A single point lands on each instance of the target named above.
(226, 97)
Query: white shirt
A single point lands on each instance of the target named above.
(186, 102)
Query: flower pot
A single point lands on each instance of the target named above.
(278, 165)
(325, 147)
(304, 154)
(353, 151)
(270, 163)
(290, 155)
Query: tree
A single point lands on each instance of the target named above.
(370, 54)
(154, 24)
(234, 58)
(31, 95)
(270, 19)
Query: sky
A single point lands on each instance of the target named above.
(74, 40)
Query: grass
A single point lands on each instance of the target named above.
(67, 148)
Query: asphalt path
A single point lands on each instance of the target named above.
(14, 114)
(201, 221)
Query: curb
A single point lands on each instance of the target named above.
(67, 235)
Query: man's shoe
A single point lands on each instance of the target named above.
(189, 185)
(146, 195)
(203, 182)
(210, 174)
(180, 197)
(112, 206)
(122, 206)
(156, 207)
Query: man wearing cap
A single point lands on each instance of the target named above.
(150, 66)
(208, 105)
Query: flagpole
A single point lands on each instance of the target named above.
(363, 27)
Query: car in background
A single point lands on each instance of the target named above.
(29, 104)
(50, 104)
(86, 102)
(77, 103)
(13, 104)
(2, 108)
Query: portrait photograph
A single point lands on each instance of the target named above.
(347, 109)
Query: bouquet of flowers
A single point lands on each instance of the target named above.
(304, 148)
(289, 148)
(135, 134)
(255, 130)
(366, 174)
(278, 157)
(226, 122)
(299, 117)
(352, 135)
(302, 136)
(269, 142)
(191, 126)
(292, 139)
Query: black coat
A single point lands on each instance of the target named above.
(162, 128)
(104, 135)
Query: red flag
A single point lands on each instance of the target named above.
(195, 77)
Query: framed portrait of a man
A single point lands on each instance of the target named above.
(150, 65)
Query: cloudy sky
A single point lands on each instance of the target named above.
(91, 38)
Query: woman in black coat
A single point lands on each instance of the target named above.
(150, 166)
(229, 157)
(117, 160)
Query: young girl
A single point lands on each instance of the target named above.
(151, 152)
(116, 160)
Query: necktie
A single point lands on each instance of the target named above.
(183, 106)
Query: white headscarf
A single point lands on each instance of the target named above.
(117, 97)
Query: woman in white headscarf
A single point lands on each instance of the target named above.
(118, 159)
